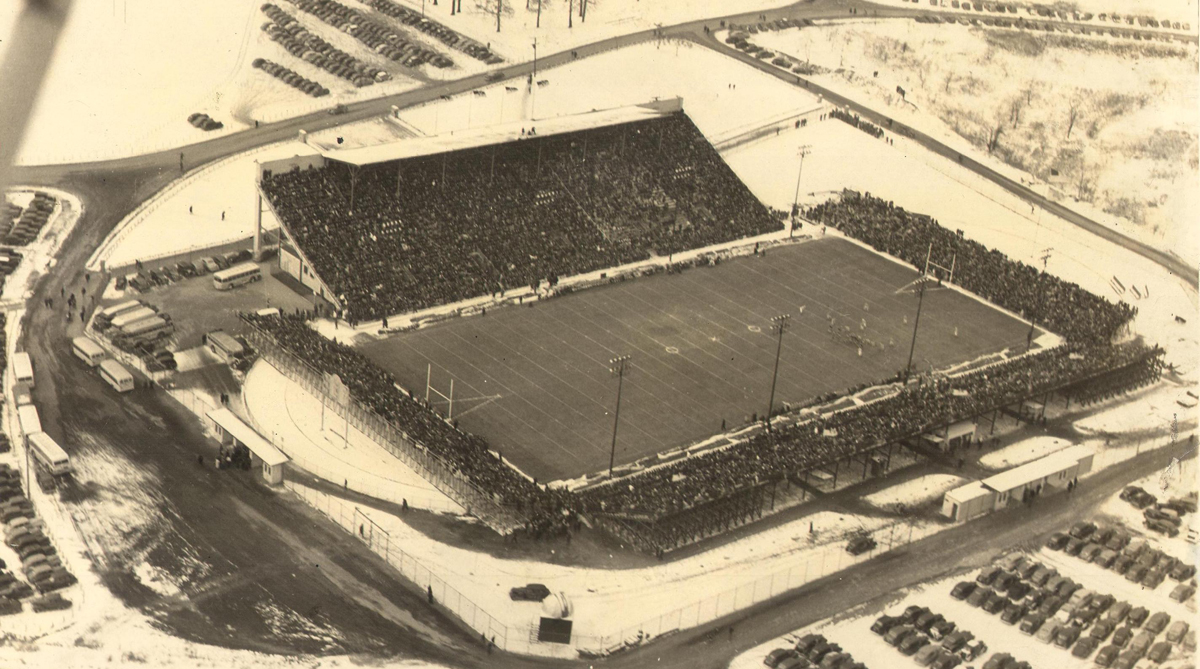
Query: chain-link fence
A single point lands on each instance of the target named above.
(474, 501)
(438, 591)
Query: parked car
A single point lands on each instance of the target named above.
(975, 648)
(1183, 571)
(1082, 529)
(1119, 540)
(1000, 661)
(940, 629)
(924, 657)
(1158, 622)
(1126, 660)
(912, 643)
(1121, 637)
(1154, 578)
(9, 606)
(1177, 631)
(534, 592)
(989, 575)
(1048, 630)
(859, 545)
(946, 660)
(1011, 561)
(51, 602)
(806, 642)
(775, 657)
(1031, 623)
(1018, 590)
(884, 623)
(1074, 546)
(963, 589)
(1067, 635)
(979, 596)
(1057, 541)
(955, 641)
(1183, 592)
(1027, 570)
(994, 603)
(1106, 656)
(897, 634)
(1090, 551)
(926, 620)
(1159, 652)
(1085, 647)
(1136, 573)
(913, 612)
(1141, 642)
(1105, 558)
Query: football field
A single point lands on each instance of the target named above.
(535, 381)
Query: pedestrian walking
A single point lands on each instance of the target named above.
(731, 633)
(190, 209)
(429, 593)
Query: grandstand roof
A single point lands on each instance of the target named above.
(495, 134)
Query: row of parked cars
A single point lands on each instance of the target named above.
(290, 77)
(23, 225)
(205, 122)
(1057, 610)
(931, 639)
(298, 41)
(1116, 550)
(812, 650)
(1162, 517)
(434, 29)
(376, 36)
(25, 534)
(146, 280)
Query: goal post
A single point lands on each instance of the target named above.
(443, 397)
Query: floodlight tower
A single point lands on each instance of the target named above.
(617, 367)
(779, 325)
(924, 279)
(1045, 258)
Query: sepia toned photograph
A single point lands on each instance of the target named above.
(599, 334)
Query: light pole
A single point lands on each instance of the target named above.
(617, 366)
(916, 324)
(1033, 317)
(804, 151)
(779, 325)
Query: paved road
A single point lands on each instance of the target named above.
(289, 559)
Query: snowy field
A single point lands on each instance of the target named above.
(1025, 450)
(1173, 10)
(293, 420)
(915, 492)
(1109, 131)
(190, 56)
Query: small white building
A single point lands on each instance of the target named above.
(1042, 476)
(231, 430)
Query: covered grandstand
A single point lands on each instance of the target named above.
(394, 228)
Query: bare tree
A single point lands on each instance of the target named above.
(1073, 112)
(1015, 106)
(994, 135)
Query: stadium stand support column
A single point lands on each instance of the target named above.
(257, 216)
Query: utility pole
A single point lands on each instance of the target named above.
(570, 11)
(1045, 258)
(804, 151)
(499, 5)
(779, 325)
(916, 324)
(535, 53)
(539, 15)
(617, 366)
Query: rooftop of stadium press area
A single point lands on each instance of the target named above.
(392, 229)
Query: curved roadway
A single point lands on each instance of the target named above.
(288, 560)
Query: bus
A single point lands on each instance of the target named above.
(109, 313)
(117, 376)
(223, 346)
(129, 317)
(23, 368)
(237, 276)
(87, 350)
(49, 454)
(149, 329)
(22, 394)
(27, 416)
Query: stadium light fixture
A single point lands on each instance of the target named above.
(617, 367)
(779, 325)
(804, 151)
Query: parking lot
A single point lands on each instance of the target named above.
(1099, 594)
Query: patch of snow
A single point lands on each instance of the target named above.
(157, 580)
(916, 491)
(1020, 452)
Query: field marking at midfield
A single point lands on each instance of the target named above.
(515, 417)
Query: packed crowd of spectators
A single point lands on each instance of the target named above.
(376, 390)
(1060, 306)
(915, 409)
(440, 229)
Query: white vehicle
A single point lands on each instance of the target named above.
(23, 368)
(88, 351)
(223, 346)
(130, 317)
(22, 394)
(239, 275)
(49, 454)
(109, 313)
(27, 416)
(148, 329)
(116, 376)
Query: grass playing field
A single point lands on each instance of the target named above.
(535, 381)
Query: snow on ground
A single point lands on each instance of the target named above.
(315, 438)
(38, 257)
(702, 77)
(612, 605)
(605, 18)
(1135, 121)
(1177, 481)
(206, 208)
(1170, 10)
(1025, 450)
(916, 491)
